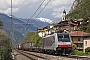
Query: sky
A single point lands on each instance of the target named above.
(26, 8)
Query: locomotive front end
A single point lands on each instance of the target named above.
(64, 44)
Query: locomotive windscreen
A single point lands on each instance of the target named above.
(64, 37)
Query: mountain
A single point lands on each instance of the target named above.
(21, 27)
(45, 20)
(75, 3)
(81, 9)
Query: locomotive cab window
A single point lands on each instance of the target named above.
(64, 38)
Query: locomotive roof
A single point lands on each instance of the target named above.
(54, 34)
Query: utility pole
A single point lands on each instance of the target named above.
(12, 27)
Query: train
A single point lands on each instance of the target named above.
(57, 43)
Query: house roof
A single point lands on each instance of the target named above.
(54, 23)
(40, 28)
(79, 33)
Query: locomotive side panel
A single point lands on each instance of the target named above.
(48, 42)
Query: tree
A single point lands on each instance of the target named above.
(1, 24)
(33, 37)
(73, 46)
(87, 49)
(82, 10)
(5, 50)
(88, 28)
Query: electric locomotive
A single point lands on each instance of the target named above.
(57, 43)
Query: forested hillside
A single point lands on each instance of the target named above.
(82, 10)
(33, 37)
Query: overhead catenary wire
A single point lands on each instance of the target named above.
(42, 10)
(36, 10)
(35, 17)
(39, 13)
(31, 17)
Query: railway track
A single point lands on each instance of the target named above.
(40, 56)
(32, 56)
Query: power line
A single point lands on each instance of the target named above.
(37, 15)
(41, 10)
(34, 14)
(37, 10)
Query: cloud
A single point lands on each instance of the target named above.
(16, 5)
(8, 11)
(59, 5)
(25, 8)
(57, 12)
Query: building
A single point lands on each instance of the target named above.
(45, 30)
(64, 15)
(40, 32)
(81, 40)
(40, 29)
(69, 25)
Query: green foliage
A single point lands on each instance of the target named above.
(79, 53)
(88, 28)
(87, 49)
(73, 46)
(82, 10)
(33, 37)
(5, 50)
(1, 24)
(83, 26)
(4, 38)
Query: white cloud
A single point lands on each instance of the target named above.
(8, 11)
(59, 5)
(56, 3)
(16, 4)
(20, 2)
(55, 7)
(57, 12)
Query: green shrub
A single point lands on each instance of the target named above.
(87, 49)
(79, 53)
(73, 46)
